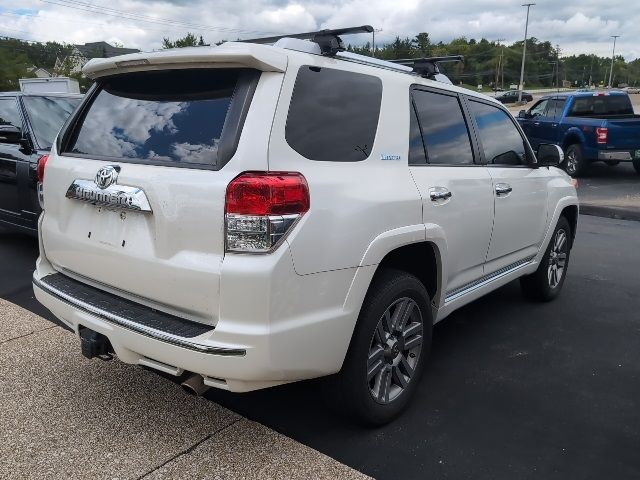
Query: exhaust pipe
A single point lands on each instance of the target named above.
(194, 385)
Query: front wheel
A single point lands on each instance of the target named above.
(388, 350)
(546, 282)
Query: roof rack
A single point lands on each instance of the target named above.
(428, 66)
(328, 40)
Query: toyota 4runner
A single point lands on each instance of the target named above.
(249, 215)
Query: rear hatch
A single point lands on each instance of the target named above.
(134, 197)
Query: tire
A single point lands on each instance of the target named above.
(574, 163)
(543, 285)
(376, 399)
(636, 165)
(612, 163)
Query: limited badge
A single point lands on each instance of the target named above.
(386, 156)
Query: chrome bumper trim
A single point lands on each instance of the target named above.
(141, 329)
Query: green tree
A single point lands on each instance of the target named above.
(189, 40)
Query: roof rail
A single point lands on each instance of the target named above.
(428, 66)
(328, 40)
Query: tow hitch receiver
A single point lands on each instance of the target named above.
(94, 344)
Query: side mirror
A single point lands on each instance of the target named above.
(10, 134)
(549, 155)
(522, 114)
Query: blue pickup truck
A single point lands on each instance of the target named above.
(589, 126)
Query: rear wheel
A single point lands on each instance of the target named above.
(636, 165)
(574, 163)
(546, 282)
(388, 350)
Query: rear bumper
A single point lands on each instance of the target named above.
(616, 155)
(274, 327)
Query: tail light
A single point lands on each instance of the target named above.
(602, 135)
(42, 162)
(261, 208)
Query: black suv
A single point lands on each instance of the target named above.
(28, 125)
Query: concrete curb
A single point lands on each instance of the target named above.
(619, 213)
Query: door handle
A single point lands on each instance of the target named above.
(503, 189)
(554, 125)
(537, 124)
(439, 193)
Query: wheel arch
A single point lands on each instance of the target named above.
(571, 137)
(570, 212)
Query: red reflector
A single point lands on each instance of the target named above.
(42, 162)
(602, 135)
(268, 193)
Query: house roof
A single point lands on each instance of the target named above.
(103, 50)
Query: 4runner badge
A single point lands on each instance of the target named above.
(104, 191)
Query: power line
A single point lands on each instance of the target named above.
(92, 8)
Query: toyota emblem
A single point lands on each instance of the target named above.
(107, 176)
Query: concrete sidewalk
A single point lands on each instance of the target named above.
(62, 416)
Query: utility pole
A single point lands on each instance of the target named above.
(557, 67)
(591, 71)
(613, 56)
(524, 51)
(373, 40)
(495, 87)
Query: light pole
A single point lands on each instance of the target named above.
(613, 56)
(524, 51)
(373, 40)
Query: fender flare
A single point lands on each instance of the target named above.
(387, 242)
(563, 203)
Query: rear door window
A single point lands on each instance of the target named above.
(176, 118)
(333, 114)
(444, 129)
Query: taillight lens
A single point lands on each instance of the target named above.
(42, 162)
(262, 207)
(602, 135)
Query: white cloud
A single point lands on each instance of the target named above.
(578, 26)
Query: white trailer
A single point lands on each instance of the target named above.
(49, 85)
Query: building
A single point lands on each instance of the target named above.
(81, 54)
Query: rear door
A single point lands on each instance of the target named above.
(455, 189)
(519, 191)
(10, 156)
(134, 201)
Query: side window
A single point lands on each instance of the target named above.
(9, 114)
(538, 110)
(333, 115)
(444, 130)
(500, 139)
(555, 107)
(416, 147)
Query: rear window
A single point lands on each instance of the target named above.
(601, 105)
(178, 118)
(333, 115)
(47, 115)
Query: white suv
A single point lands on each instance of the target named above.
(253, 215)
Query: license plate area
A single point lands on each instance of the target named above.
(108, 226)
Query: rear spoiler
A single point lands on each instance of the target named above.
(227, 55)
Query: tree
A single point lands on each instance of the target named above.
(189, 40)
(423, 44)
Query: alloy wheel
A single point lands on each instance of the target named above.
(395, 350)
(557, 258)
(572, 162)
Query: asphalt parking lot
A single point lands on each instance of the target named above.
(513, 389)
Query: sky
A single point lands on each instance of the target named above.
(577, 26)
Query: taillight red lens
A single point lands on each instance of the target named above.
(602, 135)
(42, 162)
(268, 193)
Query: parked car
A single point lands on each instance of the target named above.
(589, 126)
(28, 126)
(289, 211)
(631, 90)
(511, 96)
